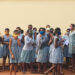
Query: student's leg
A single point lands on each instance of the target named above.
(4, 61)
(73, 62)
(8, 62)
(23, 67)
(11, 68)
(55, 69)
(61, 69)
(31, 66)
(58, 70)
(39, 67)
(44, 67)
(15, 68)
(50, 69)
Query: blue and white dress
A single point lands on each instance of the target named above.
(26, 55)
(1, 50)
(5, 47)
(72, 42)
(20, 37)
(1, 47)
(56, 54)
(42, 52)
(66, 46)
(15, 51)
(34, 48)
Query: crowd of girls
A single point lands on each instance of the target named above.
(38, 51)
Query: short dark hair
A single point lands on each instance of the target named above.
(42, 28)
(7, 29)
(73, 25)
(15, 31)
(22, 31)
(18, 28)
(57, 30)
(30, 25)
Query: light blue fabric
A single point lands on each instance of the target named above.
(42, 48)
(42, 56)
(5, 47)
(56, 54)
(1, 51)
(15, 51)
(66, 51)
(33, 54)
(26, 56)
(72, 42)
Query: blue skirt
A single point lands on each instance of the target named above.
(33, 54)
(66, 51)
(42, 56)
(15, 52)
(1, 51)
(20, 51)
(26, 56)
(5, 51)
(56, 56)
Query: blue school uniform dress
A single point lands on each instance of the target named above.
(15, 51)
(5, 47)
(42, 52)
(26, 55)
(48, 47)
(34, 49)
(66, 46)
(1, 50)
(56, 54)
(20, 48)
(72, 42)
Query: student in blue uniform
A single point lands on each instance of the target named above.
(21, 38)
(41, 49)
(14, 45)
(66, 47)
(56, 54)
(72, 44)
(6, 39)
(34, 35)
(1, 47)
(26, 55)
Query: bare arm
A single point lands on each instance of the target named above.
(10, 42)
(50, 41)
(56, 43)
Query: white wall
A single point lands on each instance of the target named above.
(38, 13)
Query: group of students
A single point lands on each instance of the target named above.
(45, 47)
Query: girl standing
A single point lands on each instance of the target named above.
(56, 53)
(42, 52)
(72, 44)
(6, 39)
(14, 51)
(26, 55)
(1, 47)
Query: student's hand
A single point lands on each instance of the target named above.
(13, 56)
(40, 35)
(74, 46)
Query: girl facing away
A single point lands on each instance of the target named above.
(56, 53)
(14, 43)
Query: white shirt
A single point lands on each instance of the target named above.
(28, 43)
(66, 42)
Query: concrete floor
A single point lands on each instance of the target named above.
(66, 72)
